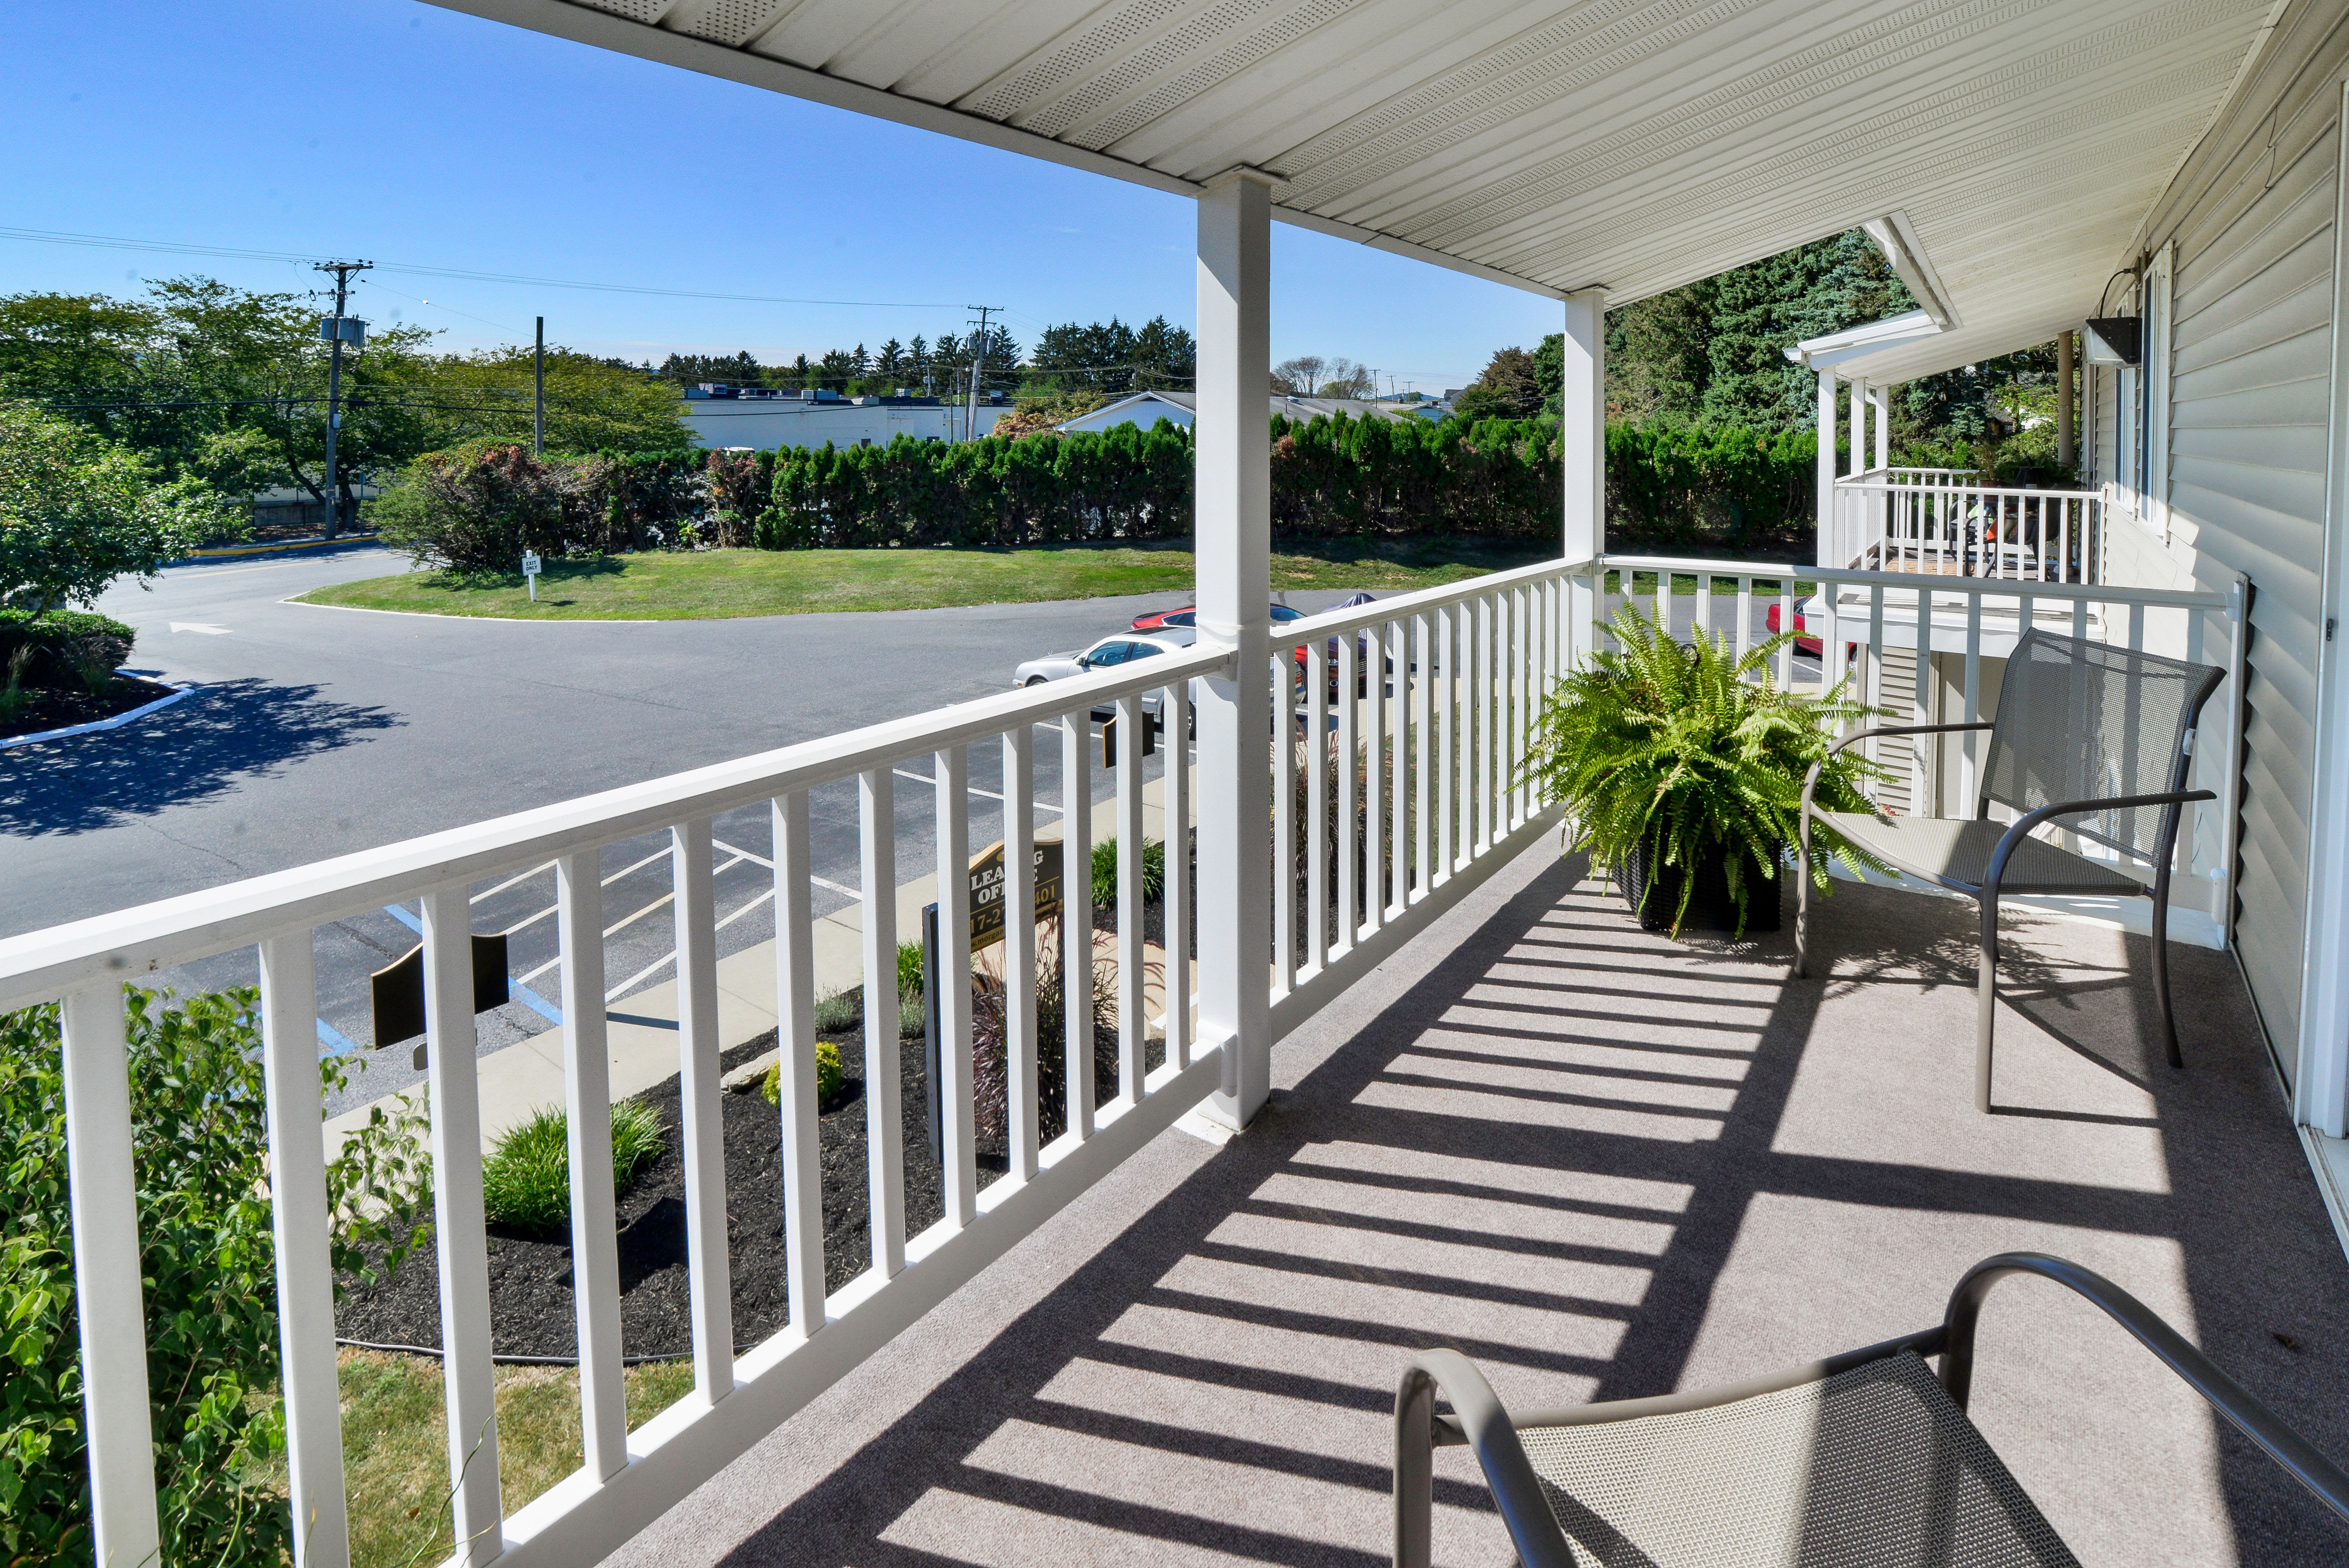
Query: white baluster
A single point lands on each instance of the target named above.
(1373, 706)
(305, 1288)
(1284, 821)
(1077, 916)
(795, 1044)
(459, 1229)
(952, 1007)
(708, 1259)
(1131, 1015)
(883, 1112)
(1348, 761)
(587, 1115)
(105, 1203)
(1178, 872)
(1317, 812)
(1019, 946)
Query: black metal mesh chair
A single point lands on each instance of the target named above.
(1865, 1460)
(2098, 736)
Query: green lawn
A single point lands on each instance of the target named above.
(396, 1444)
(723, 584)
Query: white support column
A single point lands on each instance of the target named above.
(1825, 469)
(1881, 397)
(1859, 427)
(1234, 439)
(1582, 449)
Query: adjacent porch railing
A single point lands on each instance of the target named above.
(1942, 522)
(1932, 650)
(1395, 762)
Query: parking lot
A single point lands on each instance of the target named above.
(319, 732)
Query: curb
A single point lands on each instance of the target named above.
(229, 552)
(94, 726)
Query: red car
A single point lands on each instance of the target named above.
(1188, 615)
(1802, 644)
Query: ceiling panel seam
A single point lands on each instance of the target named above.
(1028, 81)
(1105, 131)
(1075, 101)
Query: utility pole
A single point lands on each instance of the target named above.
(338, 329)
(538, 393)
(978, 366)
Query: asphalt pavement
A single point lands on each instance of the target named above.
(320, 731)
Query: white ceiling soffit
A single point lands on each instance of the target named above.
(1838, 348)
(1633, 144)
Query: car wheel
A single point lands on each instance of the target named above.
(1035, 680)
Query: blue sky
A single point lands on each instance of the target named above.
(398, 131)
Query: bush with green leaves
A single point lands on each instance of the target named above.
(526, 1178)
(77, 511)
(829, 1077)
(62, 650)
(207, 1259)
(1105, 871)
(1694, 753)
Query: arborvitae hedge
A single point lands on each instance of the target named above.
(1331, 477)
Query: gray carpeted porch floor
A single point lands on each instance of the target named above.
(1605, 1166)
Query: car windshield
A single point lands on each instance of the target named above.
(1106, 653)
(1282, 613)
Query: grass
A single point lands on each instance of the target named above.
(526, 1180)
(717, 585)
(396, 1444)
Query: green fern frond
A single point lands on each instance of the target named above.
(1686, 748)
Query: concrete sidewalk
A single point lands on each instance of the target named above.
(642, 1028)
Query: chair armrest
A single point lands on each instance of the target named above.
(1811, 779)
(2229, 1397)
(1478, 1415)
(2023, 824)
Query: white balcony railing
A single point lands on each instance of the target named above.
(1868, 627)
(1433, 700)
(1942, 522)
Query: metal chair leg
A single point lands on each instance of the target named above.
(1414, 1470)
(1985, 1002)
(1803, 897)
(2161, 977)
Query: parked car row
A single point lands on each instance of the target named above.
(1170, 631)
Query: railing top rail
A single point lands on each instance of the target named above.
(1873, 482)
(1334, 622)
(41, 966)
(1910, 581)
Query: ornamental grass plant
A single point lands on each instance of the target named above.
(526, 1180)
(1694, 756)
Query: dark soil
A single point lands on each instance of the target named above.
(51, 707)
(531, 1310)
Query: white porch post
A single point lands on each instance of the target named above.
(1881, 397)
(1234, 545)
(1582, 442)
(1825, 469)
(1859, 401)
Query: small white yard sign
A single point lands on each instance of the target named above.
(530, 573)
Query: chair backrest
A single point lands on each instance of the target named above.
(2079, 721)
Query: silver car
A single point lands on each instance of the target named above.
(1116, 649)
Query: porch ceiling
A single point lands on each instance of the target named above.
(1632, 145)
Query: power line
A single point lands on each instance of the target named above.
(417, 269)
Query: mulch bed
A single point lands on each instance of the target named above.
(532, 1311)
(47, 707)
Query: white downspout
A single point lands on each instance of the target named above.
(1234, 566)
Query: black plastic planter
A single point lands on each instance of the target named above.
(1710, 906)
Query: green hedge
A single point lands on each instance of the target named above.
(1332, 476)
(62, 649)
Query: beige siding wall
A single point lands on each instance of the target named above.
(2252, 219)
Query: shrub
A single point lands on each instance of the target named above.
(828, 1076)
(1153, 871)
(476, 509)
(77, 511)
(526, 1180)
(61, 649)
(990, 1041)
(207, 1258)
(840, 1012)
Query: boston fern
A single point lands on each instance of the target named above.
(1695, 754)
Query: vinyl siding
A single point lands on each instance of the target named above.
(2252, 217)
